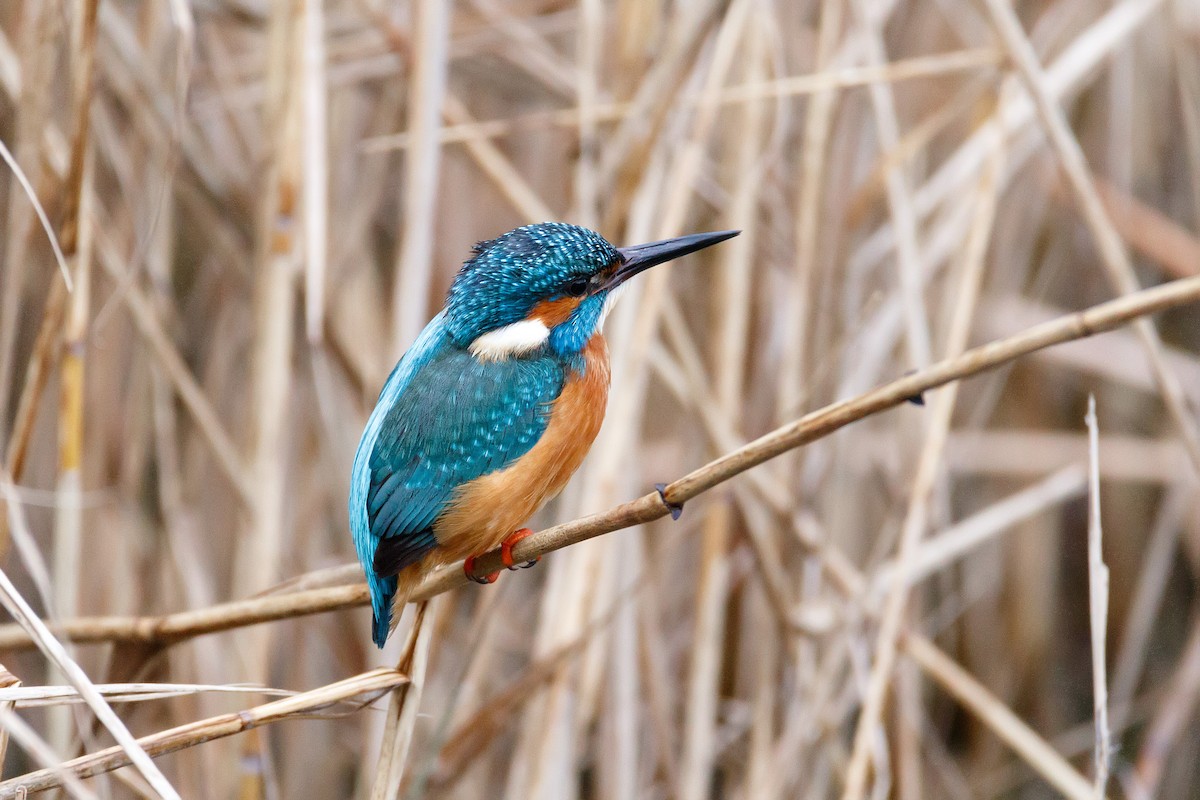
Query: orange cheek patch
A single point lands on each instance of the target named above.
(555, 312)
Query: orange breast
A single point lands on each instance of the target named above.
(488, 509)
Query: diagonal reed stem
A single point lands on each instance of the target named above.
(818, 424)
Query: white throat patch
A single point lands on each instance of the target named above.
(511, 340)
(610, 302)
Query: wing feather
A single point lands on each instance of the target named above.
(458, 419)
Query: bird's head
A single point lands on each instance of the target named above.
(549, 284)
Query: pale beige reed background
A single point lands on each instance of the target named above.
(259, 204)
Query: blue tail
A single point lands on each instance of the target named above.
(383, 592)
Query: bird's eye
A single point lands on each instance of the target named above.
(577, 287)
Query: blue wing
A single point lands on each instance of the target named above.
(443, 419)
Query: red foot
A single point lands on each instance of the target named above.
(506, 556)
(469, 567)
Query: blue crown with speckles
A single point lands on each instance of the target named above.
(510, 274)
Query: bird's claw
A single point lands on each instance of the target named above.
(917, 399)
(469, 569)
(676, 509)
(506, 547)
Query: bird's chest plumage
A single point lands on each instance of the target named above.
(487, 509)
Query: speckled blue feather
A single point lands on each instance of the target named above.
(512, 272)
(458, 419)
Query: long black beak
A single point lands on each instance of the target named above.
(642, 257)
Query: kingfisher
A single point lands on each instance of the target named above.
(493, 407)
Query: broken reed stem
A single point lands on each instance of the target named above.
(225, 616)
(1098, 604)
(368, 685)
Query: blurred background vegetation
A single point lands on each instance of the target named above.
(260, 204)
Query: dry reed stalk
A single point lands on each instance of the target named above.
(277, 253)
(76, 237)
(36, 205)
(41, 32)
(911, 781)
(474, 732)
(427, 89)
(589, 47)
(763, 491)
(506, 177)
(530, 51)
(367, 686)
(316, 167)
(762, 650)
(1189, 90)
(38, 369)
(174, 366)
(796, 372)
(1144, 461)
(627, 147)
(187, 624)
(67, 554)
